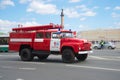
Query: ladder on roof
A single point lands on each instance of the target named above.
(34, 28)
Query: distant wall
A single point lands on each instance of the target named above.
(100, 34)
(117, 45)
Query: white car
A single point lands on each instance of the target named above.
(107, 45)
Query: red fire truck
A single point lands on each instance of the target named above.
(41, 41)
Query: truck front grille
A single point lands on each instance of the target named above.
(87, 46)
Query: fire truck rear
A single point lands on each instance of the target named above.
(41, 41)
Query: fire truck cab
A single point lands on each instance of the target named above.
(41, 41)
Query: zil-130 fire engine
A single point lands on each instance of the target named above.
(41, 41)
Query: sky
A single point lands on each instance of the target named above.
(79, 15)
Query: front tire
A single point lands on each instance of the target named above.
(26, 55)
(81, 57)
(68, 56)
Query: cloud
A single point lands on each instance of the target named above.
(89, 13)
(6, 25)
(85, 11)
(82, 8)
(115, 15)
(68, 26)
(41, 7)
(83, 27)
(117, 8)
(107, 8)
(29, 1)
(5, 3)
(95, 7)
(117, 24)
(74, 1)
(24, 1)
(30, 23)
(71, 13)
(80, 11)
(82, 19)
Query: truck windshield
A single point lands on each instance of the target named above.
(62, 35)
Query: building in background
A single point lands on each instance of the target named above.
(112, 35)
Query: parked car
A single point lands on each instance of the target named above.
(107, 45)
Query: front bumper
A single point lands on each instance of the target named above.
(85, 52)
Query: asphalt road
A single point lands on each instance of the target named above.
(100, 65)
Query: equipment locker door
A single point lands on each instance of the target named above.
(47, 41)
(39, 41)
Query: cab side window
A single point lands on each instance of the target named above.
(39, 35)
(48, 35)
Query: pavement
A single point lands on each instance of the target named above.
(100, 65)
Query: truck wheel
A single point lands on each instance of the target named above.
(68, 56)
(26, 55)
(81, 57)
(42, 57)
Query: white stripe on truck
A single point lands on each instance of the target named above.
(20, 40)
(39, 40)
(25, 40)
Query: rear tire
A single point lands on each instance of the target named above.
(26, 55)
(68, 56)
(81, 57)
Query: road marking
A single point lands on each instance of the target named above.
(7, 55)
(33, 62)
(24, 62)
(7, 67)
(19, 79)
(27, 68)
(96, 57)
(117, 57)
(24, 68)
(91, 67)
(101, 58)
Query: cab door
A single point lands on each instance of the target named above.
(55, 42)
